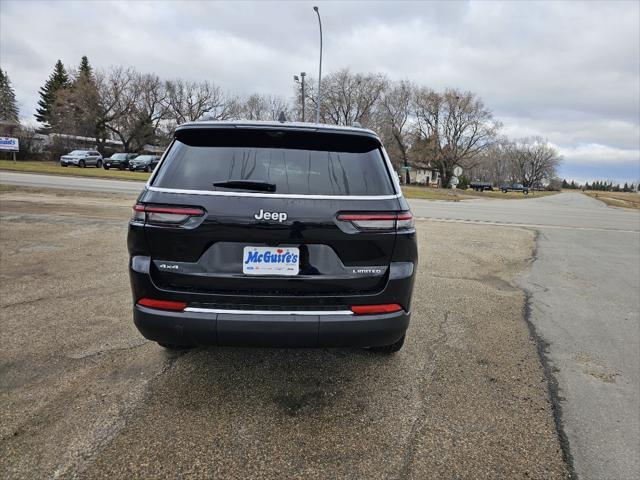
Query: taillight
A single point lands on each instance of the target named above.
(405, 221)
(164, 215)
(162, 304)
(379, 221)
(373, 309)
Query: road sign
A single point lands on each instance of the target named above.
(457, 171)
(9, 144)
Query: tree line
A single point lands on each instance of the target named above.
(601, 186)
(419, 126)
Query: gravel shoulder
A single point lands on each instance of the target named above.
(82, 394)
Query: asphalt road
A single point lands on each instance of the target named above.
(83, 395)
(584, 288)
(584, 307)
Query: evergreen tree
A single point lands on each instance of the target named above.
(573, 184)
(58, 80)
(85, 69)
(85, 99)
(565, 184)
(8, 106)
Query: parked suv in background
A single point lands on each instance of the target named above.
(144, 162)
(119, 160)
(276, 234)
(82, 158)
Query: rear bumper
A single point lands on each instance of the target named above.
(326, 329)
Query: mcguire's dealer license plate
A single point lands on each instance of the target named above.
(270, 261)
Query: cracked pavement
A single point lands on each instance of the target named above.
(83, 395)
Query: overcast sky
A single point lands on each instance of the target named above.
(569, 72)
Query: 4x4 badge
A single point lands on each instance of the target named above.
(172, 267)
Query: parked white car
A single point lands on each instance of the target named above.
(82, 158)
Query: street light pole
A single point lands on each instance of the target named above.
(300, 80)
(319, 68)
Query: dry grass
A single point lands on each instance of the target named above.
(457, 195)
(617, 199)
(409, 191)
(55, 169)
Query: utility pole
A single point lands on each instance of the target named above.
(300, 80)
(319, 68)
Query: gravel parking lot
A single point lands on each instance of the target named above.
(82, 394)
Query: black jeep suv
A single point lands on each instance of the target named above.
(273, 234)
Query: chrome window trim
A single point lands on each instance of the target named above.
(268, 312)
(272, 195)
(157, 169)
(394, 178)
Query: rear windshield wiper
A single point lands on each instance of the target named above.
(247, 185)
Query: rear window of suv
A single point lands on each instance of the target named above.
(301, 163)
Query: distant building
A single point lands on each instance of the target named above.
(9, 128)
(424, 174)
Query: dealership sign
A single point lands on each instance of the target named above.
(9, 143)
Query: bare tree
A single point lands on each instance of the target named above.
(133, 106)
(458, 126)
(349, 97)
(534, 160)
(395, 110)
(494, 164)
(116, 98)
(188, 101)
(264, 107)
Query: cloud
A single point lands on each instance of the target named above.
(596, 154)
(567, 71)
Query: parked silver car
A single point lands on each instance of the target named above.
(82, 158)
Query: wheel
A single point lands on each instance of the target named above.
(393, 348)
(64, 165)
(147, 169)
(81, 164)
(99, 164)
(171, 346)
(121, 167)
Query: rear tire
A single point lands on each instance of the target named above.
(147, 169)
(388, 349)
(99, 164)
(172, 347)
(81, 164)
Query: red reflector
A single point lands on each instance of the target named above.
(162, 304)
(372, 309)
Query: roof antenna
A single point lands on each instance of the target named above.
(282, 117)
